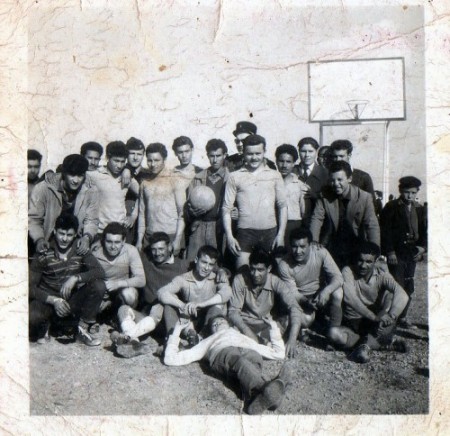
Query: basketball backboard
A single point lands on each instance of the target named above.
(359, 90)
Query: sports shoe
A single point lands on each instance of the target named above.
(286, 373)
(44, 340)
(118, 338)
(133, 348)
(361, 354)
(84, 337)
(94, 328)
(396, 345)
(270, 398)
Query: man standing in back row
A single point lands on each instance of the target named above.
(261, 200)
(344, 216)
(342, 150)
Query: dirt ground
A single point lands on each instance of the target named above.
(72, 379)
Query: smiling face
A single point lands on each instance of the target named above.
(254, 156)
(72, 182)
(135, 158)
(113, 244)
(259, 273)
(93, 157)
(161, 252)
(307, 154)
(300, 250)
(285, 164)
(184, 154)
(116, 164)
(204, 265)
(216, 159)
(155, 163)
(340, 182)
(64, 238)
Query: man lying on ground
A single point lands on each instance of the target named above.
(255, 291)
(235, 356)
(373, 302)
(312, 271)
(64, 283)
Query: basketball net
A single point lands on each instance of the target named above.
(357, 107)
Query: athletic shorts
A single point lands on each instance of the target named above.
(250, 238)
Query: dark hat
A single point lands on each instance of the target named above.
(245, 127)
(409, 182)
(75, 165)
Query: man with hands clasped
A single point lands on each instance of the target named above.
(64, 283)
(255, 293)
(198, 294)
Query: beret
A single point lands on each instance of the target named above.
(245, 127)
(75, 164)
(409, 182)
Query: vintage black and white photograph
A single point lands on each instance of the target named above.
(226, 211)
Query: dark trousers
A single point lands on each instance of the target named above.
(403, 274)
(84, 304)
(371, 333)
(243, 365)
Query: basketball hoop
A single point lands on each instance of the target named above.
(357, 107)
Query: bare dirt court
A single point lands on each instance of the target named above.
(72, 379)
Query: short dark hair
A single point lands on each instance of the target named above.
(288, 149)
(308, 140)
(259, 255)
(67, 221)
(157, 147)
(134, 144)
(91, 146)
(216, 144)
(34, 155)
(342, 144)
(75, 165)
(367, 247)
(211, 320)
(158, 237)
(325, 149)
(251, 140)
(208, 250)
(300, 233)
(114, 228)
(180, 141)
(340, 165)
(116, 149)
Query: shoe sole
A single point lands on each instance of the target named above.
(270, 398)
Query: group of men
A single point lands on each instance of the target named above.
(282, 249)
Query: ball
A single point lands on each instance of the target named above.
(202, 197)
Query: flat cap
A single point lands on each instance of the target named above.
(245, 127)
(409, 182)
(75, 165)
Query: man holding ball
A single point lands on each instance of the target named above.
(205, 197)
